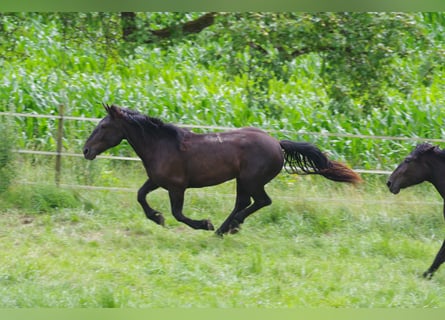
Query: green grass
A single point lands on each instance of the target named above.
(320, 244)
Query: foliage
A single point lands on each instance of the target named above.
(359, 69)
(275, 71)
(357, 52)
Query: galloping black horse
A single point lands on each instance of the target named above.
(425, 163)
(176, 159)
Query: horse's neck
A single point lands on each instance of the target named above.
(139, 141)
(437, 167)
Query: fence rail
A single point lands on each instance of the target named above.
(314, 133)
(337, 200)
(61, 117)
(68, 154)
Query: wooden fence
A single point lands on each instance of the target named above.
(59, 153)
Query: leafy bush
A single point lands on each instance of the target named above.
(42, 198)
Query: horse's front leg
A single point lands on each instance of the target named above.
(440, 258)
(151, 214)
(177, 203)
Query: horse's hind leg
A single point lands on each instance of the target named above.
(149, 212)
(440, 258)
(261, 199)
(177, 203)
(242, 202)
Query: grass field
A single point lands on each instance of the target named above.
(320, 244)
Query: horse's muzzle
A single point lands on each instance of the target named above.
(392, 187)
(88, 154)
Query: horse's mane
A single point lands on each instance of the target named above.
(153, 126)
(427, 147)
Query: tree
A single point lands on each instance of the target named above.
(358, 51)
(176, 28)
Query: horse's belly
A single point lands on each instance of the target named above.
(210, 176)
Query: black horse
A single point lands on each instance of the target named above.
(176, 159)
(425, 163)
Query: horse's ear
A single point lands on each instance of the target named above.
(428, 147)
(113, 111)
(434, 149)
(106, 107)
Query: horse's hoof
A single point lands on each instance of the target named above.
(159, 219)
(234, 230)
(428, 275)
(209, 225)
(219, 233)
(234, 227)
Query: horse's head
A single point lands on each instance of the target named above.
(107, 134)
(413, 170)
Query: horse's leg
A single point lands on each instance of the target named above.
(261, 199)
(177, 203)
(440, 258)
(242, 202)
(149, 212)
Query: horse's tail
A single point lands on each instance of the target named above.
(305, 158)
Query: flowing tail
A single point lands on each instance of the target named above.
(305, 158)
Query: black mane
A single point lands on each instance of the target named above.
(152, 125)
(423, 148)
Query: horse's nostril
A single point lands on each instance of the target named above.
(85, 151)
(388, 183)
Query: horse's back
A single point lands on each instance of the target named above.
(261, 152)
(247, 152)
(258, 153)
(256, 140)
(230, 140)
(246, 141)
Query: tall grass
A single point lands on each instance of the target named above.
(319, 244)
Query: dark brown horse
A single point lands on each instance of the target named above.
(176, 159)
(425, 163)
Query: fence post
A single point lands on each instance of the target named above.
(59, 145)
